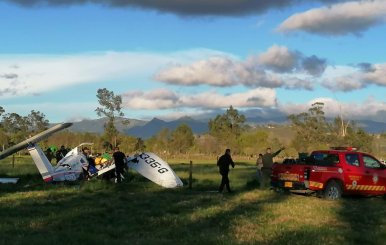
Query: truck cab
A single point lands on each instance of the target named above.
(332, 173)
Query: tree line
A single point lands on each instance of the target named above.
(311, 130)
(15, 128)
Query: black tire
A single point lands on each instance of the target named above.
(333, 191)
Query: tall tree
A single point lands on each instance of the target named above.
(313, 130)
(227, 127)
(16, 126)
(1, 110)
(182, 138)
(3, 135)
(110, 107)
(37, 121)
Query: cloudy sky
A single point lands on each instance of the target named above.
(191, 57)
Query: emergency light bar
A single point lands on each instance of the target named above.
(344, 148)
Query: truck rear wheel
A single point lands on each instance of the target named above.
(333, 190)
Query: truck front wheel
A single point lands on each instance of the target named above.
(333, 191)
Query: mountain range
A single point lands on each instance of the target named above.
(146, 129)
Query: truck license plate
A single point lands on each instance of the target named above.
(288, 184)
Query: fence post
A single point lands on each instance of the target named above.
(190, 174)
(13, 160)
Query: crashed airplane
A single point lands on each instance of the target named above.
(73, 166)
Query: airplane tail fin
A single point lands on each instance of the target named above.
(44, 166)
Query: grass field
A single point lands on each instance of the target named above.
(139, 212)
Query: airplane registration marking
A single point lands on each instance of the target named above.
(153, 163)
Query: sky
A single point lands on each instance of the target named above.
(175, 58)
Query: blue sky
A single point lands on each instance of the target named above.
(187, 58)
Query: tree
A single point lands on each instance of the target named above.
(227, 127)
(160, 142)
(16, 127)
(110, 108)
(254, 142)
(311, 128)
(1, 110)
(3, 136)
(182, 138)
(37, 121)
(139, 145)
(207, 144)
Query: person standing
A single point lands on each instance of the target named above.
(49, 154)
(223, 163)
(267, 160)
(119, 160)
(61, 153)
(259, 165)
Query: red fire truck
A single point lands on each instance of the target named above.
(331, 173)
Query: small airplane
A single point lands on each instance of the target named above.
(75, 166)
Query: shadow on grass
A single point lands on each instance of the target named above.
(365, 218)
(139, 212)
(135, 212)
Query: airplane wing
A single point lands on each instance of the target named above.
(155, 169)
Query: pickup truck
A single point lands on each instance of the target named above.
(332, 173)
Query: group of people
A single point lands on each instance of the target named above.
(52, 153)
(264, 165)
(118, 157)
(94, 163)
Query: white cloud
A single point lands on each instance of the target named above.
(354, 78)
(264, 70)
(34, 74)
(79, 110)
(220, 71)
(165, 99)
(377, 75)
(216, 71)
(354, 110)
(338, 19)
(280, 58)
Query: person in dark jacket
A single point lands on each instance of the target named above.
(267, 167)
(61, 153)
(223, 163)
(49, 154)
(120, 161)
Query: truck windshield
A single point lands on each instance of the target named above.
(323, 159)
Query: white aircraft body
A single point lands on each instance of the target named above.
(155, 169)
(75, 166)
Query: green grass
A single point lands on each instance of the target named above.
(140, 212)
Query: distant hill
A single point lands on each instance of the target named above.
(97, 125)
(371, 126)
(146, 129)
(262, 120)
(155, 125)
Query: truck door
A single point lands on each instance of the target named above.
(374, 175)
(352, 172)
